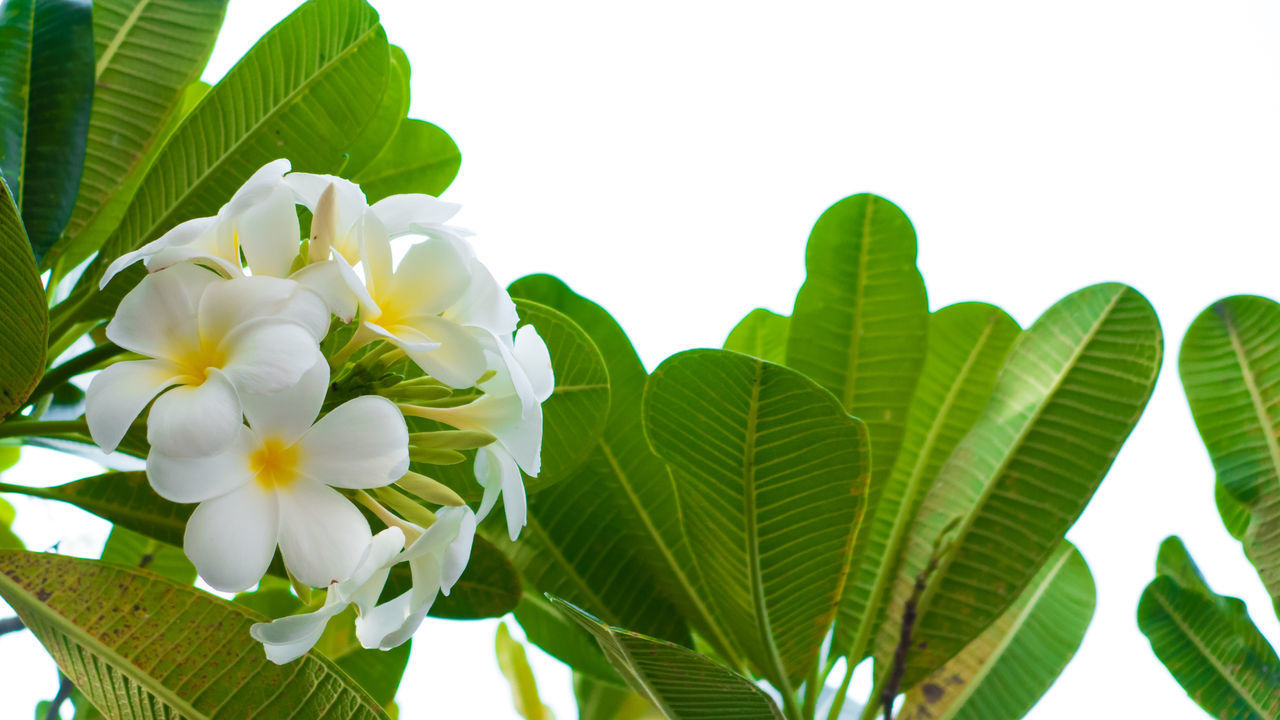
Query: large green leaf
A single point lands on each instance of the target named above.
(46, 90)
(1071, 391)
(1212, 648)
(763, 334)
(22, 305)
(1005, 670)
(132, 549)
(384, 124)
(1230, 367)
(164, 650)
(859, 329)
(774, 474)
(602, 701)
(489, 587)
(968, 344)
(679, 681)
(147, 53)
(421, 158)
(632, 493)
(562, 639)
(304, 92)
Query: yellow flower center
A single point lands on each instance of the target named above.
(274, 465)
(197, 362)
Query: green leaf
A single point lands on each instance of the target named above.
(8, 541)
(46, 90)
(859, 329)
(777, 473)
(1006, 669)
(490, 587)
(763, 334)
(421, 158)
(620, 504)
(515, 667)
(303, 92)
(129, 665)
(384, 124)
(1212, 648)
(126, 547)
(147, 53)
(1230, 367)
(22, 305)
(968, 344)
(1174, 561)
(679, 681)
(562, 639)
(1235, 516)
(603, 701)
(1071, 391)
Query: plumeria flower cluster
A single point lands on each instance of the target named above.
(279, 442)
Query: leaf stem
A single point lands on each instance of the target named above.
(12, 624)
(837, 704)
(79, 364)
(51, 428)
(812, 689)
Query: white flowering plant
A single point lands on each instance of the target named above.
(251, 303)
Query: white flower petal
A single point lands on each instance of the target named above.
(117, 394)
(158, 316)
(262, 181)
(458, 553)
(327, 280)
(383, 626)
(287, 414)
(196, 479)
(432, 276)
(362, 443)
(322, 535)
(350, 200)
(268, 355)
(486, 304)
(399, 212)
(519, 431)
(498, 473)
(458, 362)
(188, 233)
(375, 257)
(226, 306)
(534, 358)
(195, 420)
(288, 638)
(269, 234)
(232, 538)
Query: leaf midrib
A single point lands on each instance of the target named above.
(1014, 628)
(888, 566)
(944, 563)
(1251, 384)
(1222, 668)
(855, 337)
(84, 639)
(118, 39)
(725, 645)
(231, 151)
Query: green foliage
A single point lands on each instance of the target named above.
(22, 354)
(602, 701)
(131, 549)
(515, 666)
(147, 54)
(682, 683)
(46, 90)
(419, 158)
(1071, 391)
(967, 347)
(763, 334)
(384, 123)
(778, 473)
(1230, 368)
(1005, 670)
(1207, 641)
(126, 666)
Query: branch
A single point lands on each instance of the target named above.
(899, 668)
(8, 625)
(64, 692)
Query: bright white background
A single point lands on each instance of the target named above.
(667, 159)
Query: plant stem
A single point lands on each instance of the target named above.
(51, 428)
(76, 365)
(64, 692)
(812, 689)
(837, 704)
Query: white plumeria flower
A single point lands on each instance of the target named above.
(210, 342)
(275, 485)
(262, 221)
(259, 219)
(405, 304)
(436, 561)
(511, 411)
(289, 638)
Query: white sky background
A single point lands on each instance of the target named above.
(667, 160)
